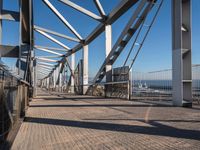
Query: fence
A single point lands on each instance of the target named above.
(14, 94)
(158, 84)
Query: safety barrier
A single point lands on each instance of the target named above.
(14, 99)
(158, 84)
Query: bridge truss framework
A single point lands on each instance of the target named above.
(32, 68)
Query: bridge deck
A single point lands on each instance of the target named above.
(83, 122)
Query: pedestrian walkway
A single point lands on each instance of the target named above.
(59, 121)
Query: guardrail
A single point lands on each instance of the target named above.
(158, 84)
(14, 99)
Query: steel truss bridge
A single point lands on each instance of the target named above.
(48, 72)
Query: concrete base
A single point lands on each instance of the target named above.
(187, 104)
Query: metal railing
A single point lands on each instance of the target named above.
(14, 97)
(158, 84)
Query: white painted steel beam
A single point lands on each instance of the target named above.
(85, 68)
(51, 48)
(48, 56)
(122, 7)
(52, 39)
(10, 15)
(44, 63)
(43, 72)
(73, 69)
(58, 14)
(108, 48)
(142, 9)
(57, 34)
(100, 8)
(82, 10)
(181, 53)
(47, 60)
(45, 66)
(49, 51)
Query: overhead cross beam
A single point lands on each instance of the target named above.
(51, 48)
(52, 39)
(45, 63)
(122, 7)
(82, 10)
(48, 56)
(46, 59)
(114, 15)
(10, 15)
(57, 34)
(58, 14)
(45, 66)
(49, 51)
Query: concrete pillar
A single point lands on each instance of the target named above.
(85, 68)
(73, 69)
(181, 53)
(108, 34)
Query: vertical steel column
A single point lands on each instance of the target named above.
(54, 78)
(73, 69)
(57, 78)
(48, 83)
(108, 37)
(1, 29)
(35, 78)
(60, 78)
(181, 55)
(85, 68)
(26, 40)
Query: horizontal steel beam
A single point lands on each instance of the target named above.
(48, 56)
(45, 63)
(47, 60)
(57, 34)
(49, 51)
(10, 15)
(44, 69)
(52, 39)
(9, 51)
(58, 14)
(82, 10)
(45, 66)
(51, 48)
(45, 73)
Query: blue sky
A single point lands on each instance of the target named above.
(155, 54)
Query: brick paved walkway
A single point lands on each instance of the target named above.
(82, 122)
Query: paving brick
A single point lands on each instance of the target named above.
(88, 123)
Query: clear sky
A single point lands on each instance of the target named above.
(155, 54)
